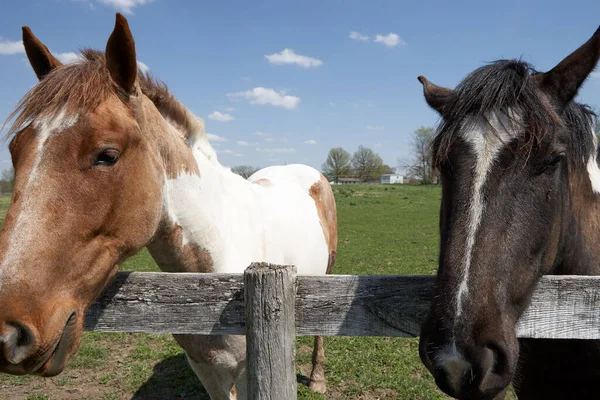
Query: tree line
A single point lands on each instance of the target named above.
(367, 165)
(364, 164)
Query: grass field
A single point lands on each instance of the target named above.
(382, 230)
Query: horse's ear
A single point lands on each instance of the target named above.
(562, 82)
(120, 55)
(40, 58)
(436, 96)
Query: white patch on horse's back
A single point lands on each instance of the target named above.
(303, 175)
(592, 166)
(29, 218)
(239, 222)
(485, 143)
(455, 364)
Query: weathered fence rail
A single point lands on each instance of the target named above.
(336, 305)
(279, 305)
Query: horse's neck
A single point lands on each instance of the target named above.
(197, 200)
(581, 227)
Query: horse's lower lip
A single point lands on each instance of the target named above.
(55, 364)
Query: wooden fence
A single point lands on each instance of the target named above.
(278, 305)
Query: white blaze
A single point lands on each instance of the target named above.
(592, 166)
(29, 218)
(486, 138)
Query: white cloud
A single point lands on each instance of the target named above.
(230, 109)
(390, 40)
(223, 117)
(215, 138)
(143, 67)
(8, 47)
(595, 74)
(377, 145)
(288, 56)
(358, 36)
(267, 137)
(311, 141)
(229, 152)
(125, 6)
(275, 150)
(67, 58)
(261, 95)
(242, 143)
(374, 127)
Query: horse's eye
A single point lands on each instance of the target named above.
(107, 157)
(553, 162)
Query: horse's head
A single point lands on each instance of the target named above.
(88, 193)
(504, 149)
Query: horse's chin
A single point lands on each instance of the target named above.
(64, 348)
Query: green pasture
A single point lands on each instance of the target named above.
(382, 230)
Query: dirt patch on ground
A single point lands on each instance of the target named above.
(73, 383)
(366, 194)
(70, 385)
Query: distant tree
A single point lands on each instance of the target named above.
(8, 180)
(366, 164)
(386, 169)
(337, 164)
(8, 175)
(245, 171)
(422, 166)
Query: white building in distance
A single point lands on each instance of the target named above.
(392, 178)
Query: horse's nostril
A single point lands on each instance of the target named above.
(501, 364)
(18, 342)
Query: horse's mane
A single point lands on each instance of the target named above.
(579, 120)
(502, 86)
(85, 84)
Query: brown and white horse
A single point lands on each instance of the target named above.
(520, 198)
(107, 161)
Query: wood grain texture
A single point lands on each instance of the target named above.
(270, 335)
(335, 305)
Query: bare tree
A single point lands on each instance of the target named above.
(366, 164)
(337, 164)
(245, 171)
(422, 167)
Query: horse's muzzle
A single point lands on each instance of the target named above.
(22, 353)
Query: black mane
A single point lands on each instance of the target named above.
(579, 119)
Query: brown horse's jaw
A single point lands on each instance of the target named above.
(58, 360)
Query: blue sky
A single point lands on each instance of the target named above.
(348, 77)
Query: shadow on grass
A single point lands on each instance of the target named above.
(172, 379)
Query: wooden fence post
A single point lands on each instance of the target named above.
(269, 295)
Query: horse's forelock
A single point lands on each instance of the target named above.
(504, 88)
(82, 86)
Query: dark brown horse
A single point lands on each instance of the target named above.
(520, 198)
